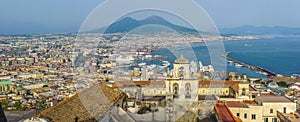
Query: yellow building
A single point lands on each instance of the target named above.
(246, 111)
(182, 89)
(272, 104)
(265, 108)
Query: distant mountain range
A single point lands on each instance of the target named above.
(261, 30)
(127, 24)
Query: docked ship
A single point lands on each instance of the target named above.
(124, 60)
(230, 62)
(142, 64)
(238, 65)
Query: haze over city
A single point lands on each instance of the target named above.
(149, 61)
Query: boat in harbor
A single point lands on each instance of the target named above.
(124, 59)
(238, 65)
(165, 63)
(148, 56)
(157, 56)
(248, 45)
(141, 64)
(263, 73)
(295, 76)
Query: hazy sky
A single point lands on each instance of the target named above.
(33, 16)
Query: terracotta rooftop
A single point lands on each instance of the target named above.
(224, 113)
(233, 84)
(88, 105)
(235, 87)
(203, 83)
(235, 104)
(253, 102)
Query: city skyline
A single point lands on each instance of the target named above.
(149, 60)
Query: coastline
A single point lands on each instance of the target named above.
(264, 52)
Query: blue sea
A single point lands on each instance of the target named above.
(280, 55)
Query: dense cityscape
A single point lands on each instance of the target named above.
(39, 73)
(149, 61)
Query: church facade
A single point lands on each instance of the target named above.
(183, 89)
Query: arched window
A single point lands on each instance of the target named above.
(181, 68)
(181, 72)
(175, 90)
(188, 90)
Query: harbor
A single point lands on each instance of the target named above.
(238, 63)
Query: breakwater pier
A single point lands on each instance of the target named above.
(258, 68)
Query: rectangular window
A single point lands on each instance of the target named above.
(245, 116)
(253, 116)
(284, 110)
(266, 119)
(238, 114)
(271, 110)
(274, 119)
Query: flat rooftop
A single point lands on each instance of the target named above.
(273, 98)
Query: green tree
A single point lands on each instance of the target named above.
(4, 104)
(282, 84)
(18, 105)
(41, 104)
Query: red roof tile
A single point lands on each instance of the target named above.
(224, 113)
(235, 104)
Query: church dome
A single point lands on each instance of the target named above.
(181, 60)
(273, 85)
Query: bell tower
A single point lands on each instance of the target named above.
(182, 68)
(243, 89)
(181, 86)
